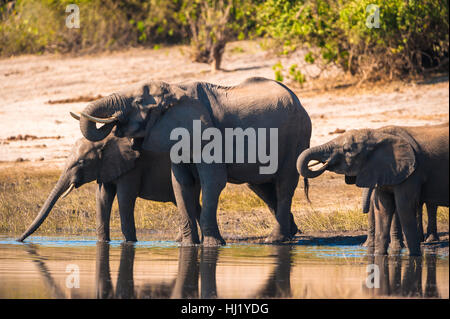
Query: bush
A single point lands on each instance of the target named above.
(36, 26)
(412, 36)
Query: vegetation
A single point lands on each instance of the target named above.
(241, 213)
(393, 38)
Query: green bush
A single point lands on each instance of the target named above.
(412, 36)
(36, 26)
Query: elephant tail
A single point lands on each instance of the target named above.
(306, 188)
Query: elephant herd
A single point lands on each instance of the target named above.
(132, 155)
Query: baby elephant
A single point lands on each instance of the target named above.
(120, 171)
(396, 234)
(407, 166)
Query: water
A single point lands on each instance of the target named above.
(79, 267)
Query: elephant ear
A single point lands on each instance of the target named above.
(390, 161)
(117, 158)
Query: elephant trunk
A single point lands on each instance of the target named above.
(62, 187)
(318, 154)
(367, 193)
(107, 110)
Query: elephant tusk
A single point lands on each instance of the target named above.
(106, 120)
(324, 165)
(313, 163)
(71, 187)
(75, 116)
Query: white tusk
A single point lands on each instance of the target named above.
(324, 165)
(75, 116)
(313, 163)
(71, 187)
(106, 120)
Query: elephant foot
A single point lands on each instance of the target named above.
(396, 246)
(277, 238)
(213, 241)
(369, 243)
(431, 238)
(294, 230)
(415, 252)
(179, 237)
(188, 243)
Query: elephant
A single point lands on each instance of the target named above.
(158, 112)
(406, 166)
(396, 235)
(119, 171)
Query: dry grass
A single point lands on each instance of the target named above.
(335, 208)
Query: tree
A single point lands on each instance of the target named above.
(210, 26)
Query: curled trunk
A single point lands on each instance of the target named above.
(318, 153)
(62, 185)
(113, 105)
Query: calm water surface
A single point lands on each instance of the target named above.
(53, 267)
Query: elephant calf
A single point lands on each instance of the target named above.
(406, 166)
(119, 171)
(396, 234)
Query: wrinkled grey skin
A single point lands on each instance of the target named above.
(154, 109)
(119, 171)
(396, 236)
(407, 166)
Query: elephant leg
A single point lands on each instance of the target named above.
(186, 195)
(213, 179)
(285, 188)
(105, 194)
(267, 192)
(432, 234)
(384, 210)
(370, 241)
(407, 206)
(420, 222)
(396, 234)
(179, 237)
(126, 197)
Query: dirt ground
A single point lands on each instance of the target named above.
(35, 124)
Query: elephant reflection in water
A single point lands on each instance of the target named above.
(279, 283)
(193, 265)
(190, 269)
(409, 284)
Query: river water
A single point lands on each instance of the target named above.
(79, 267)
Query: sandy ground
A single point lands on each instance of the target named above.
(31, 86)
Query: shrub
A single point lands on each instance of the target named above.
(412, 36)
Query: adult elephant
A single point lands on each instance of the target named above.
(120, 171)
(157, 110)
(407, 166)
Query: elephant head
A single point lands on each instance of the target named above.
(132, 112)
(367, 157)
(102, 161)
